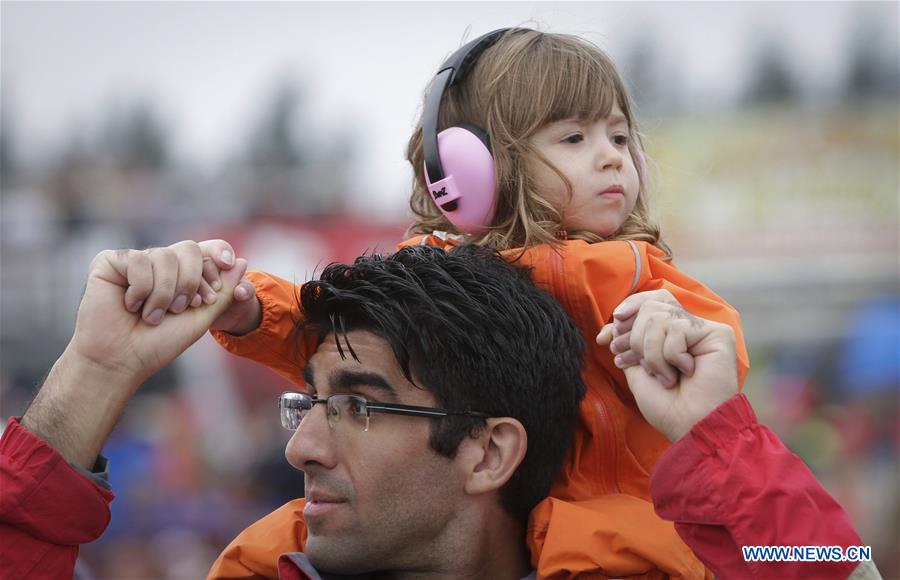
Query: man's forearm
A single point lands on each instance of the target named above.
(77, 407)
(731, 483)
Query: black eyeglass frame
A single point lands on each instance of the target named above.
(394, 408)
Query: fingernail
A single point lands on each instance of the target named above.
(613, 348)
(216, 285)
(211, 297)
(618, 361)
(136, 306)
(619, 309)
(240, 292)
(155, 316)
(228, 257)
(179, 304)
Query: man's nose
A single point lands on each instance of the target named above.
(313, 442)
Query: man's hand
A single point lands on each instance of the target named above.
(108, 332)
(652, 338)
(123, 336)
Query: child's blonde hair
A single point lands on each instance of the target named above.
(524, 81)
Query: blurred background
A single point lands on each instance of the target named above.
(773, 130)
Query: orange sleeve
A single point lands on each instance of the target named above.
(599, 276)
(696, 298)
(254, 552)
(274, 343)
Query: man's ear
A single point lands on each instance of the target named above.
(493, 456)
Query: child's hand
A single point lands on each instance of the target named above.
(245, 312)
(618, 336)
(662, 336)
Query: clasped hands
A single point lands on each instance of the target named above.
(679, 367)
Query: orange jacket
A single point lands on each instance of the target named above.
(598, 518)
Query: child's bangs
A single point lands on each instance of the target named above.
(580, 83)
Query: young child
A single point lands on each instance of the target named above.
(563, 190)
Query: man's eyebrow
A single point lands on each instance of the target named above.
(345, 379)
(308, 375)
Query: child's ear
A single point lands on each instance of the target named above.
(491, 458)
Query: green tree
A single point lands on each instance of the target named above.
(136, 137)
(771, 80)
(274, 143)
(873, 65)
(8, 167)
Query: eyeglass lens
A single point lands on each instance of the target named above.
(295, 406)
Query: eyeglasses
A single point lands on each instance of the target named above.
(294, 406)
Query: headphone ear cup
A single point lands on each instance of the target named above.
(478, 132)
(467, 194)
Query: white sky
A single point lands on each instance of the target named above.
(207, 66)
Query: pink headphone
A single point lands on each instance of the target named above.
(459, 167)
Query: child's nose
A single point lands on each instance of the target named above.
(608, 156)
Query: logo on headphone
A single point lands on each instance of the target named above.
(440, 193)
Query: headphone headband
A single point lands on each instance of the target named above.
(454, 68)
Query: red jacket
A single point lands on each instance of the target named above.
(47, 508)
(729, 482)
(600, 502)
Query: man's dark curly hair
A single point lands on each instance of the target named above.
(475, 332)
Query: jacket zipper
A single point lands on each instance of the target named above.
(602, 420)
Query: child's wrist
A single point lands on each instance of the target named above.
(250, 323)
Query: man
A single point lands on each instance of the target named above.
(441, 392)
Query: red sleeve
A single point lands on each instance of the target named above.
(47, 508)
(273, 344)
(730, 482)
